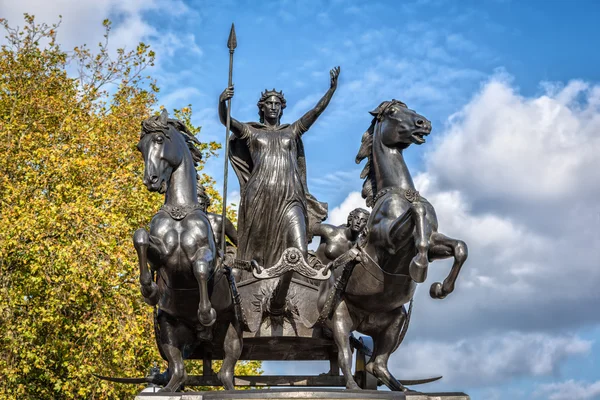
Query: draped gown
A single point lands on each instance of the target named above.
(273, 206)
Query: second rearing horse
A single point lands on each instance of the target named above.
(402, 238)
(180, 248)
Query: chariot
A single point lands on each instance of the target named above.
(293, 336)
(295, 307)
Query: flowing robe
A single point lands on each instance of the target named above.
(275, 206)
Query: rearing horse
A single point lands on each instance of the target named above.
(180, 247)
(402, 239)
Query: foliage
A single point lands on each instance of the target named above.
(71, 195)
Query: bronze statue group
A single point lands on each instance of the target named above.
(267, 283)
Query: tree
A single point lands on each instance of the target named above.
(71, 195)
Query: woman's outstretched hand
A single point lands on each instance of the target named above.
(334, 73)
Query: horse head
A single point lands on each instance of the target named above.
(400, 126)
(164, 143)
(394, 127)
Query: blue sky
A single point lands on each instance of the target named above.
(512, 89)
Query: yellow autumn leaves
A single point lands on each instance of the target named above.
(71, 195)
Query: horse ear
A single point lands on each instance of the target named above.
(376, 112)
(164, 116)
(366, 145)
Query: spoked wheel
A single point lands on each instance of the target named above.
(363, 351)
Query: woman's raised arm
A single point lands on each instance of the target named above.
(311, 116)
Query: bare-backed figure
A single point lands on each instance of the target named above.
(335, 241)
(194, 300)
(275, 206)
(402, 238)
(216, 222)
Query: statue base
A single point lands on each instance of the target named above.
(293, 393)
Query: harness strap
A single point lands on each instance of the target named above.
(238, 309)
(376, 265)
(348, 260)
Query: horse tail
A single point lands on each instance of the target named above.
(405, 325)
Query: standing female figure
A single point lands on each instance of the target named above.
(276, 210)
(268, 158)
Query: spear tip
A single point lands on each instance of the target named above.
(232, 41)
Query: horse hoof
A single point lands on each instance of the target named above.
(418, 269)
(226, 380)
(436, 291)
(212, 317)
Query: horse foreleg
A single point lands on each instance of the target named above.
(202, 271)
(232, 350)
(420, 262)
(444, 247)
(176, 368)
(384, 344)
(342, 325)
(413, 224)
(149, 289)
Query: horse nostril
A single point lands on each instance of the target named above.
(154, 179)
(420, 122)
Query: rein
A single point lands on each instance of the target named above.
(376, 264)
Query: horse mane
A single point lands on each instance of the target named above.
(202, 192)
(369, 189)
(161, 123)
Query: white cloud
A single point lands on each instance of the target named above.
(82, 22)
(489, 359)
(179, 98)
(569, 390)
(167, 43)
(540, 149)
(515, 177)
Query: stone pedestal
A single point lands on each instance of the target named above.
(316, 394)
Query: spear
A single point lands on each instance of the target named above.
(231, 44)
